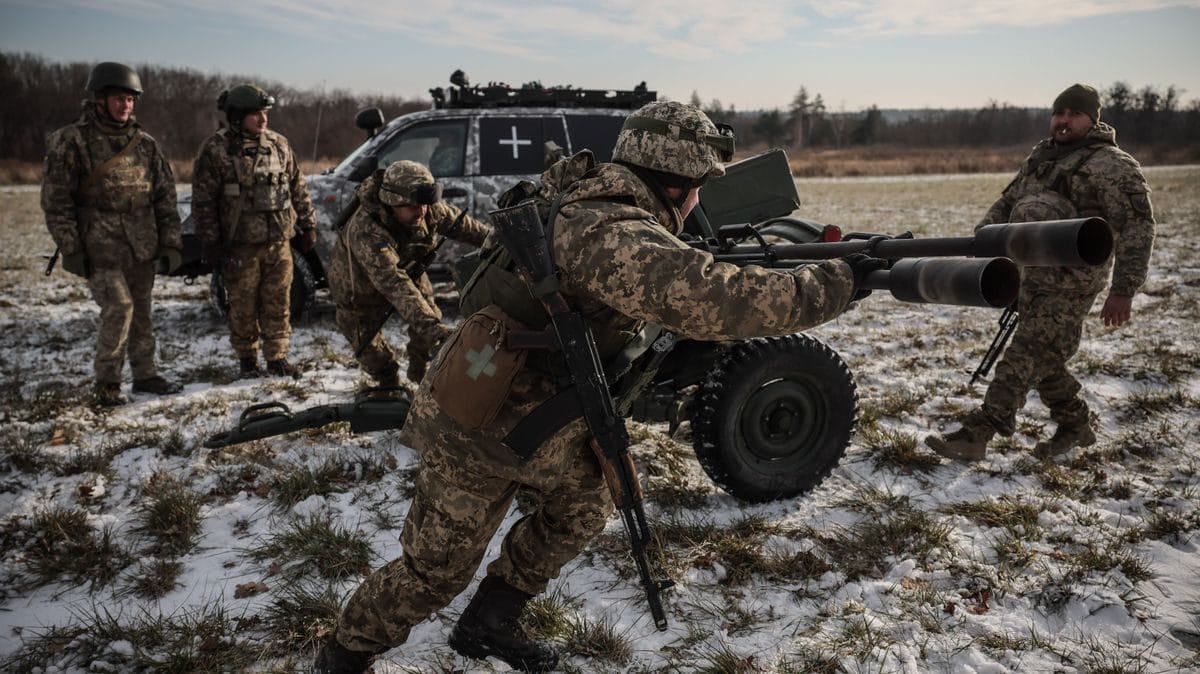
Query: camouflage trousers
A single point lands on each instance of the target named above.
(1047, 335)
(460, 500)
(123, 295)
(258, 286)
(376, 356)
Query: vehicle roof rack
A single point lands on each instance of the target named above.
(534, 95)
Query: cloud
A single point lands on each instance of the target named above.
(858, 18)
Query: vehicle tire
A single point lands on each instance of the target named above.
(303, 291)
(774, 417)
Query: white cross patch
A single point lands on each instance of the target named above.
(514, 142)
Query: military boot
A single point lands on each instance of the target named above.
(282, 368)
(156, 385)
(334, 658)
(416, 369)
(489, 626)
(1066, 437)
(248, 366)
(108, 394)
(968, 443)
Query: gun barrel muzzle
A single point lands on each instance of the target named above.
(1082, 242)
(972, 282)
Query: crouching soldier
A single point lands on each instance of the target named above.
(379, 263)
(109, 199)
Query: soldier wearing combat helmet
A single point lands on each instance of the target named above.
(614, 242)
(248, 201)
(109, 200)
(1077, 172)
(379, 262)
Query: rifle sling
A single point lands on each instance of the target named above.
(544, 422)
(108, 165)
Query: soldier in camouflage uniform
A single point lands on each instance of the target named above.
(1078, 172)
(109, 199)
(379, 262)
(248, 200)
(621, 264)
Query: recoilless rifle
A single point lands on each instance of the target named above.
(771, 417)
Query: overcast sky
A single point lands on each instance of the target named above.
(750, 53)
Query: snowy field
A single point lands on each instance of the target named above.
(127, 546)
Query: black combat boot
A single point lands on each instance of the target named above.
(156, 385)
(489, 627)
(248, 366)
(282, 368)
(334, 658)
(108, 394)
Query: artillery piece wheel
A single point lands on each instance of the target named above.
(303, 290)
(774, 417)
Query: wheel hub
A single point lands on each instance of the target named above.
(779, 418)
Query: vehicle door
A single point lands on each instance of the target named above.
(594, 131)
(512, 147)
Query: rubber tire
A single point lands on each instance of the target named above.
(793, 372)
(303, 290)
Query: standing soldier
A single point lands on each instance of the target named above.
(379, 263)
(620, 264)
(1077, 172)
(109, 199)
(248, 200)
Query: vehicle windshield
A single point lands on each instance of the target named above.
(352, 158)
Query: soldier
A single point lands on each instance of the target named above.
(1078, 172)
(109, 199)
(378, 267)
(614, 243)
(248, 200)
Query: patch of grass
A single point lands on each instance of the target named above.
(200, 641)
(155, 579)
(299, 617)
(65, 548)
(20, 451)
(316, 544)
(300, 483)
(722, 659)
(1000, 643)
(896, 402)
(868, 547)
(1007, 512)
(1165, 525)
(739, 548)
(549, 615)
(169, 512)
(599, 640)
(809, 660)
(1146, 403)
(897, 449)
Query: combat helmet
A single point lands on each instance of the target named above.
(111, 75)
(242, 100)
(407, 183)
(675, 138)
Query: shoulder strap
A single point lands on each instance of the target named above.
(107, 167)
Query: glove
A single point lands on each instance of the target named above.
(77, 264)
(169, 260)
(862, 264)
(306, 240)
(211, 254)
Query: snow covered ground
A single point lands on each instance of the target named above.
(127, 545)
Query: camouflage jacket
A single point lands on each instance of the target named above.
(616, 244)
(124, 216)
(1100, 180)
(248, 190)
(374, 255)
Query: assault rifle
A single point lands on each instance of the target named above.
(918, 274)
(373, 410)
(521, 233)
(1008, 325)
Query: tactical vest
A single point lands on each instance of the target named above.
(127, 185)
(257, 183)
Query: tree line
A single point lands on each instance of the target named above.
(179, 109)
(1145, 116)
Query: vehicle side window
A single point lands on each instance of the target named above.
(517, 145)
(597, 133)
(440, 145)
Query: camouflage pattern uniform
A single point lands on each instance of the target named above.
(622, 265)
(379, 263)
(249, 198)
(120, 222)
(1090, 178)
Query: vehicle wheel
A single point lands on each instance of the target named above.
(774, 417)
(304, 289)
(789, 230)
